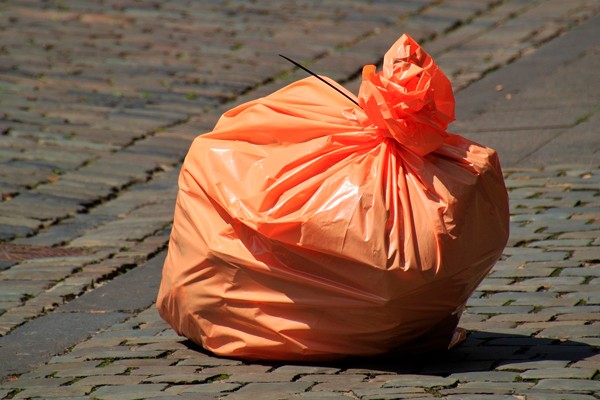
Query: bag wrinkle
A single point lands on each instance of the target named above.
(307, 229)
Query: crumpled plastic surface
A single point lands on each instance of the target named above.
(307, 228)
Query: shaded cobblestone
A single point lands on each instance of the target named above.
(420, 381)
(548, 373)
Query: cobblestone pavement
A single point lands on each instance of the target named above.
(99, 101)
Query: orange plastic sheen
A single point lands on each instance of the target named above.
(307, 228)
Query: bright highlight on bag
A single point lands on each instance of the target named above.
(307, 228)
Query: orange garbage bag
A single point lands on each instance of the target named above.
(308, 228)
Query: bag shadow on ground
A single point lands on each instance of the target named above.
(480, 352)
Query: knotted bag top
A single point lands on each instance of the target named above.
(410, 99)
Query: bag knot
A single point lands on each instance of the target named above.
(411, 99)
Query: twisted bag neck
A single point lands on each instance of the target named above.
(410, 100)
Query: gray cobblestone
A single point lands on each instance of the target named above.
(501, 310)
(488, 388)
(322, 395)
(586, 270)
(480, 397)
(334, 382)
(91, 381)
(574, 385)
(550, 373)
(305, 370)
(522, 272)
(570, 331)
(273, 391)
(420, 381)
(591, 361)
(79, 370)
(35, 383)
(255, 377)
(533, 365)
(447, 367)
(491, 376)
(207, 388)
(206, 361)
(400, 392)
(142, 363)
(48, 392)
(394, 396)
(534, 395)
(128, 392)
(579, 317)
(181, 378)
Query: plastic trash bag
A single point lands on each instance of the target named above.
(307, 228)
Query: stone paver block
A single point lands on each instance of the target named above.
(241, 369)
(322, 395)
(482, 397)
(164, 346)
(501, 310)
(128, 392)
(205, 361)
(545, 395)
(153, 370)
(206, 388)
(342, 387)
(532, 317)
(55, 369)
(116, 353)
(573, 385)
(341, 378)
(488, 388)
(560, 243)
(591, 361)
(45, 336)
(522, 272)
(142, 363)
(552, 324)
(586, 317)
(181, 378)
(404, 396)
(568, 331)
(83, 370)
(419, 381)
(54, 393)
(275, 390)
(582, 271)
(305, 370)
(558, 373)
(255, 377)
(487, 376)
(447, 367)
(400, 392)
(96, 341)
(550, 282)
(41, 382)
(91, 381)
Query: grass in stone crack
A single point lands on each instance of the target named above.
(12, 394)
(105, 363)
(220, 377)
